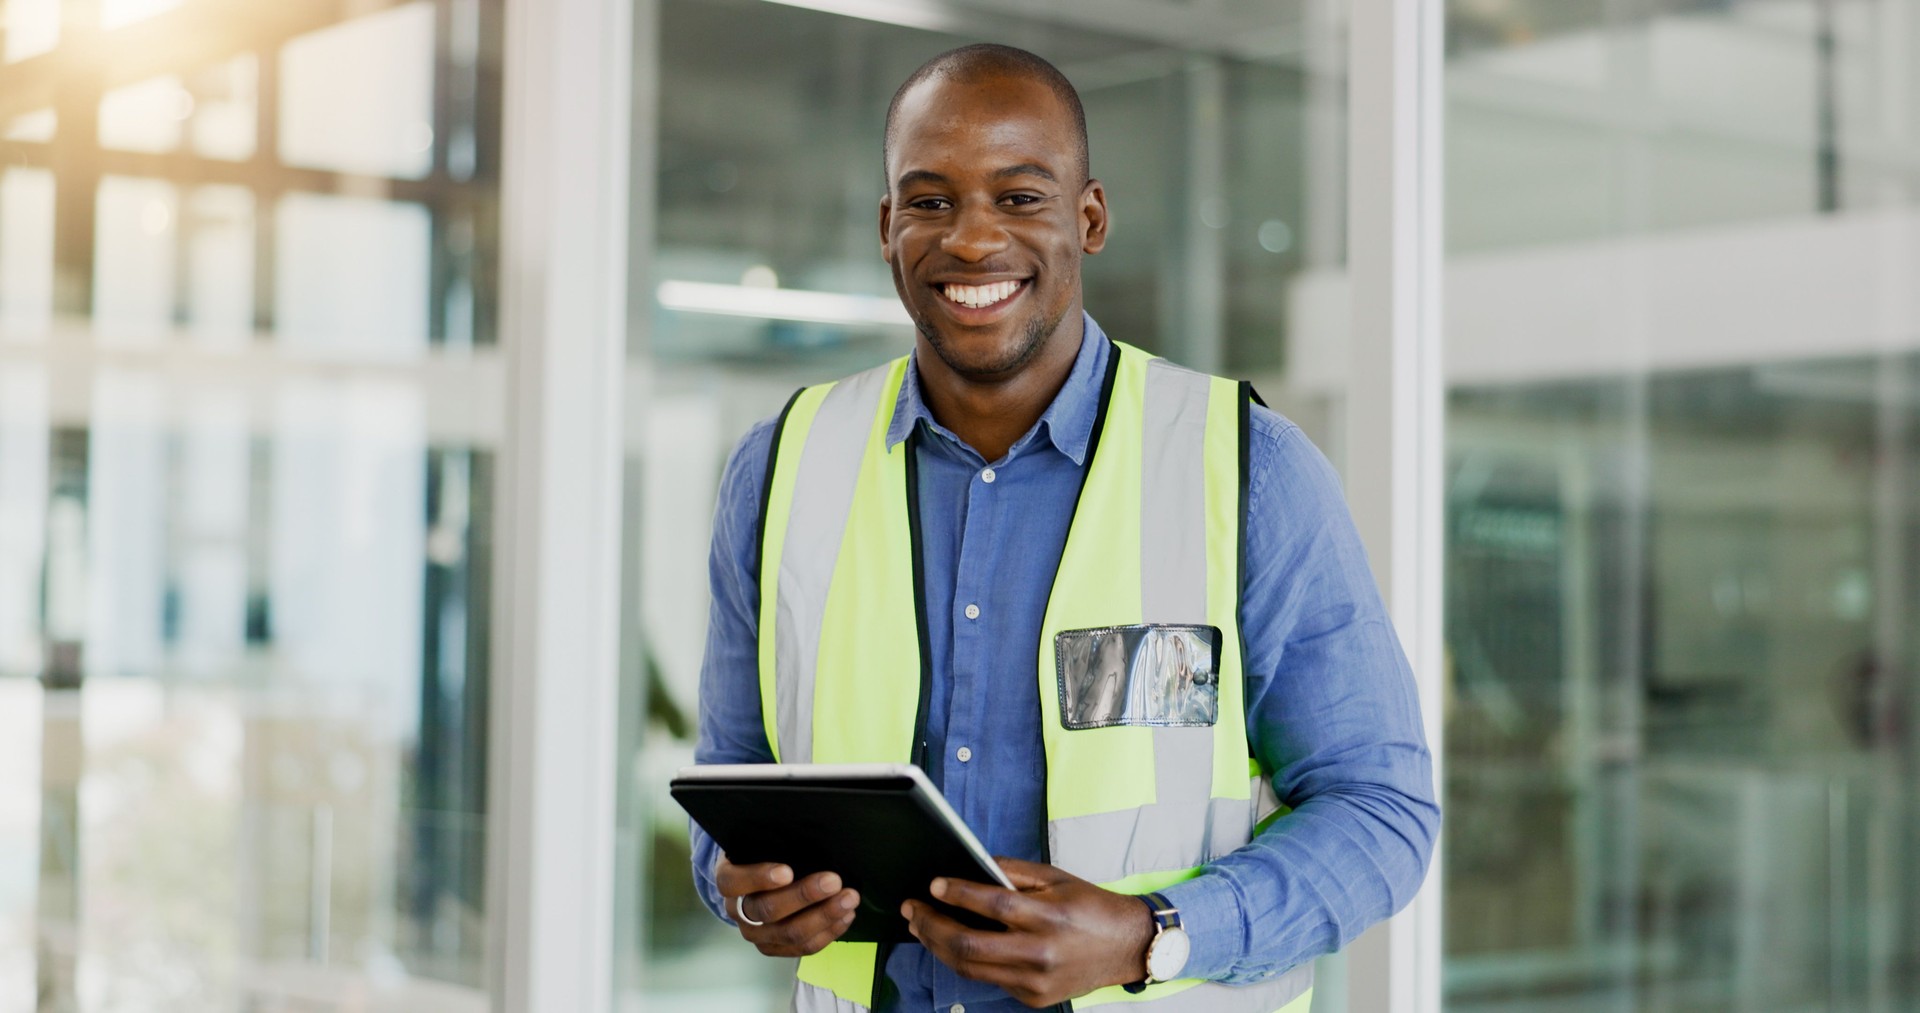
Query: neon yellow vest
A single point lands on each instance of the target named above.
(1155, 538)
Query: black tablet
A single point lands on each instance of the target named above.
(881, 826)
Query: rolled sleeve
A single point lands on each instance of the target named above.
(1215, 921)
(1334, 718)
(731, 726)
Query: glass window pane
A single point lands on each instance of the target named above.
(1681, 507)
(352, 275)
(334, 116)
(134, 261)
(26, 254)
(226, 112)
(248, 418)
(146, 116)
(115, 13)
(34, 126)
(31, 27)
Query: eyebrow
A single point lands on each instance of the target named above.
(1025, 169)
(913, 176)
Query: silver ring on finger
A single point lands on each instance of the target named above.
(740, 911)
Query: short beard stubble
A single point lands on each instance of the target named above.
(1033, 338)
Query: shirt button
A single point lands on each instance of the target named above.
(956, 1008)
(963, 753)
(973, 611)
(987, 477)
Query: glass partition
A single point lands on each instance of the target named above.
(1682, 764)
(1218, 131)
(248, 406)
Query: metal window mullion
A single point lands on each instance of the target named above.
(1395, 409)
(564, 187)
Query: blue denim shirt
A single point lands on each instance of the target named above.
(1332, 711)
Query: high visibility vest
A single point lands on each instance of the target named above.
(1156, 537)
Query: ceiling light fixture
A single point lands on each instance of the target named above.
(933, 17)
(783, 304)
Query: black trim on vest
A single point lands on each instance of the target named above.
(1248, 398)
(921, 715)
(1086, 468)
(883, 991)
(760, 528)
(1099, 419)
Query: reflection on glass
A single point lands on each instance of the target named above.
(352, 276)
(214, 109)
(225, 109)
(136, 225)
(23, 514)
(218, 262)
(26, 254)
(1220, 153)
(147, 116)
(334, 117)
(245, 475)
(1681, 508)
(31, 27)
(115, 13)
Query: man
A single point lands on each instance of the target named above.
(904, 561)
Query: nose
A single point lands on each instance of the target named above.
(974, 235)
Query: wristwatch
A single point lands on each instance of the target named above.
(1167, 950)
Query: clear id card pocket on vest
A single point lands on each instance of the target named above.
(1154, 675)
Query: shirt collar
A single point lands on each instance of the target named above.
(1067, 422)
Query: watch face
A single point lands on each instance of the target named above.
(1168, 954)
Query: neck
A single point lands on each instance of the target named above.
(989, 414)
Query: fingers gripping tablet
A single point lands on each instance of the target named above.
(882, 828)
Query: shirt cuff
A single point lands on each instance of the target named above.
(706, 862)
(1211, 914)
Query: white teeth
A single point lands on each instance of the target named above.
(981, 295)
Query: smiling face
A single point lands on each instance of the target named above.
(986, 219)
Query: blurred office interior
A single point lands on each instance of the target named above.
(253, 397)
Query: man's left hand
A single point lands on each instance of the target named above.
(1065, 936)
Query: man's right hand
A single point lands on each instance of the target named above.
(801, 918)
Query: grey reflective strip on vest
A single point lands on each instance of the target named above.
(822, 498)
(1173, 496)
(1259, 997)
(1173, 553)
(814, 999)
(1105, 847)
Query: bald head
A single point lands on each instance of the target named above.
(985, 61)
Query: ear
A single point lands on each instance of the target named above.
(886, 222)
(1093, 217)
